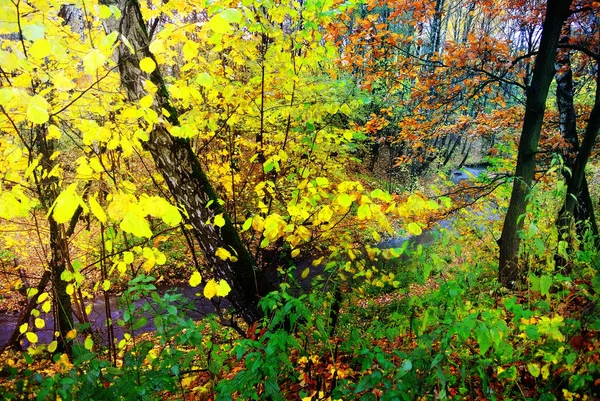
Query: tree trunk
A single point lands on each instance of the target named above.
(187, 182)
(435, 36)
(48, 188)
(576, 184)
(584, 210)
(556, 14)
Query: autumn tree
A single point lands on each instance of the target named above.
(543, 74)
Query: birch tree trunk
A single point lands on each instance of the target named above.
(179, 166)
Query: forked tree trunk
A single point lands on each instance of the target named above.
(557, 12)
(584, 209)
(187, 182)
(575, 184)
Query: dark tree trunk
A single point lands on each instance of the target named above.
(48, 188)
(556, 14)
(577, 184)
(584, 210)
(189, 186)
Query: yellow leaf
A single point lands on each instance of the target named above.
(364, 211)
(545, 371)
(210, 290)
(53, 132)
(190, 50)
(150, 259)
(219, 24)
(104, 11)
(325, 214)
(106, 285)
(204, 79)
(146, 101)
(93, 60)
(96, 209)
(223, 289)
(305, 273)
(161, 259)
(157, 46)
(40, 49)
(71, 334)
(195, 279)
(31, 337)
(43, 296)
(65, 204)
(23, 328)
(295, 253)
(223, 253)
(46, 306)
(40, 323)
(147, 65)
(414, 229)
(52, 346)
(344, 200)
(135, 224)
(37, 110)
(128, 257)
(122, 268)
(258, 223)
(219, 220)
(63, 83)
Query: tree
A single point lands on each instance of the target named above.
(187, 182)
(537, 93)
(582, 210)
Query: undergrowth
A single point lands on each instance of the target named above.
(448, 332)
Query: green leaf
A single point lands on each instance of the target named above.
(113, 371)
(545, 284)
(414, 229)
(534, 369)
(483, 338)
(247, 224)
(532, 332)
(33, 32)
(88, 343)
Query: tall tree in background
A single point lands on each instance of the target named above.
(537, 93)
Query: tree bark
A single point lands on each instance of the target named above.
(187, 182)
(556, 14)
(584, 210)
(576, 183)
(59, 246)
